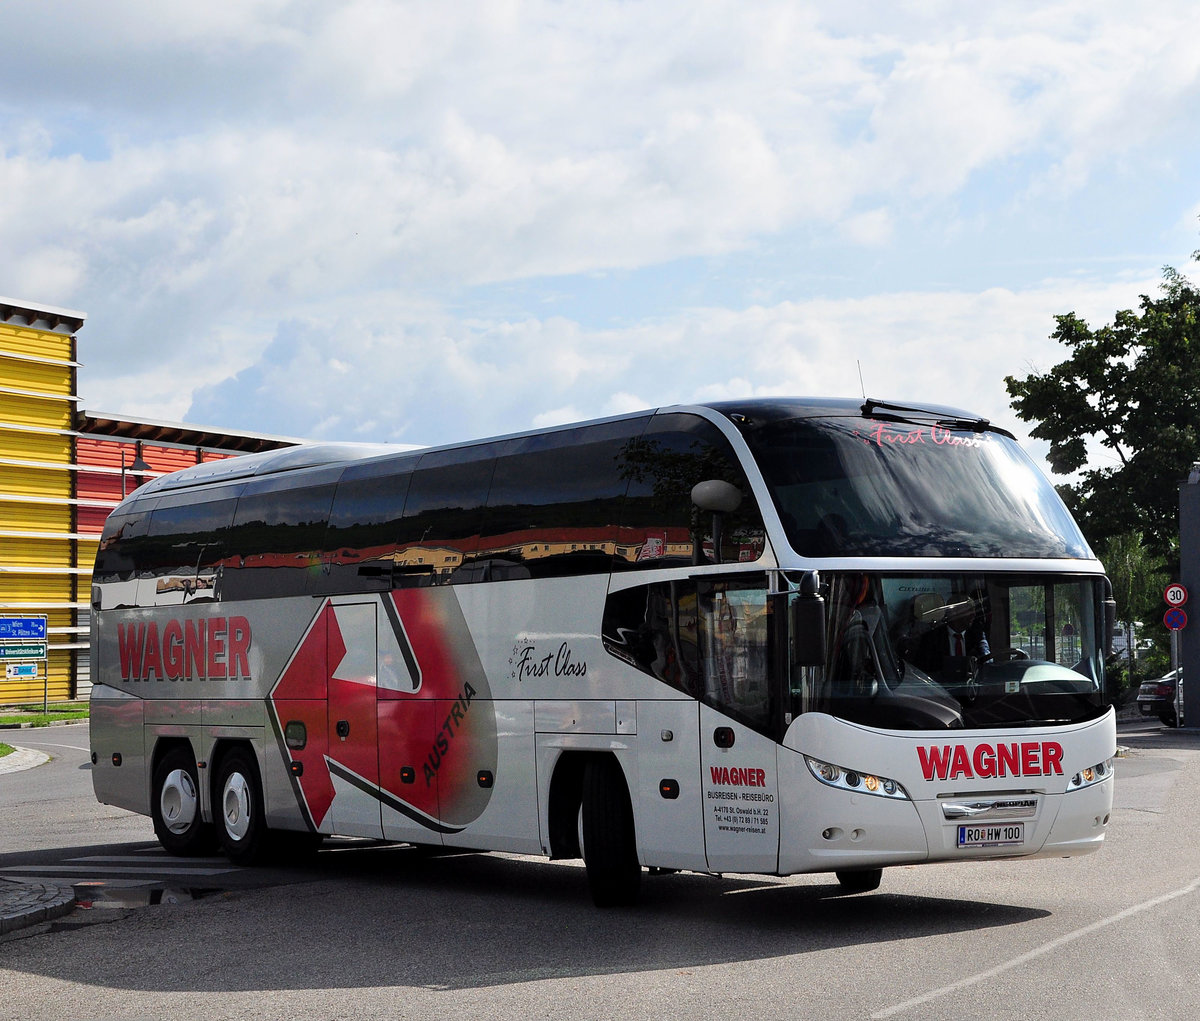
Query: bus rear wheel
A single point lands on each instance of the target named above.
(859, 880)
(239, 809)
(175, 807)
(608, 841)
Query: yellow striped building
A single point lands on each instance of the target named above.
(62, 469)
(40, 550)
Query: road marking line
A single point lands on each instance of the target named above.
(59, 870)
(162, 859)
(1045, 948)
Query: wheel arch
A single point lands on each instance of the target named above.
(566, 796)
(223, 746)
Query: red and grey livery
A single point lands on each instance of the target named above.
(392, 722)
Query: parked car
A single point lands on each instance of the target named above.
(1157, 698)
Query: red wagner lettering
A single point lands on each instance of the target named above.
(214, 648)
(985, 761)
(738, 776)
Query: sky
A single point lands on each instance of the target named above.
(429, 222)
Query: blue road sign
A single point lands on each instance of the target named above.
(23, 628)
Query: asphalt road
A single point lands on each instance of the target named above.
(387, 932)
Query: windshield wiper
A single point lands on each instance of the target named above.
(871, 408)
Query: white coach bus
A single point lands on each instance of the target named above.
(775, 636)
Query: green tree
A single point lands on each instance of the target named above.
(1133, 387)
(1138, 579)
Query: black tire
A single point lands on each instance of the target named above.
(609, 843)
(859, 880)
(175, 806)
(1168, 718)
(238, 809)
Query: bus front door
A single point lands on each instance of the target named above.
(738, 767)
(740, 784)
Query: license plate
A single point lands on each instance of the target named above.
(1007, 834)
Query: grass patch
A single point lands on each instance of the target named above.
(5, 749)
(33, 716)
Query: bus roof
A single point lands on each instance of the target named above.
(748, 412)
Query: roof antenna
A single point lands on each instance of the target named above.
(861, 385)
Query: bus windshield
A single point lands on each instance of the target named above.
(860, 487)
(925, 651)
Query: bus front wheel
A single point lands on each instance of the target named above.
(609, 845)
(239, 809)
(175, 807)
(859, 880)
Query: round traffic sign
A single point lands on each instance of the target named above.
(1175, 594)
(1175, 619)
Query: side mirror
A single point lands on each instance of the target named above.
(716, 496)
(806, 619)
(1110, 625)
(1110, 617)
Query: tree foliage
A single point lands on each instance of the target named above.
(1133, 387)
(1138, 579)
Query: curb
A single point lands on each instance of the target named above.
(32, 726)
(25, 904)
(22, 758)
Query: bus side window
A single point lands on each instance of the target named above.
(185, 547)
(660, 526)
(654, 628)
(734, 643)
(711, 639)
(123, 554)
(277, 534)
(359, 552)
(555, 503)
(443, 515)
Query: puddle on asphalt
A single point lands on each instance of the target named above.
(90, 896)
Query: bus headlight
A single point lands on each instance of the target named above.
(1092, 775)
(855, 781)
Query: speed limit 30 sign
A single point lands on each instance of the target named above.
(1175, 594)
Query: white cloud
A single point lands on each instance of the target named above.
(285, 212)
(872, 228)
(423, 382)
(555, 416)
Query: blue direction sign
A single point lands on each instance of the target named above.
(23, 628)
(15, 671)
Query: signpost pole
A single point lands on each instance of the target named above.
(1175, 672)
(1175, 595)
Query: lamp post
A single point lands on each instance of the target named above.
(139, 467)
